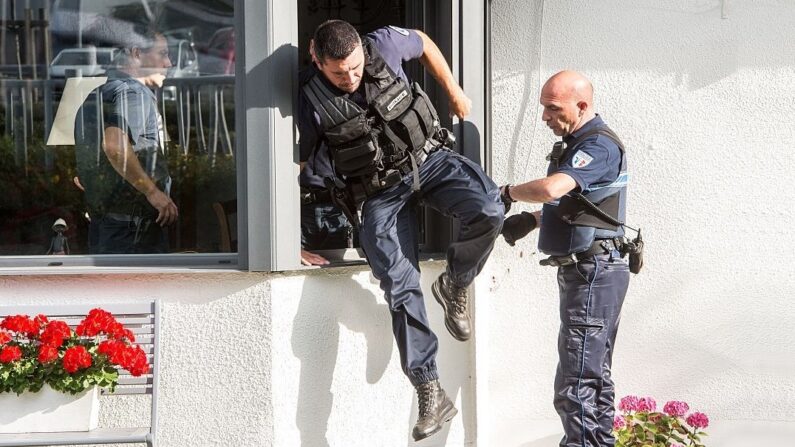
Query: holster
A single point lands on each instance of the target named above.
(343, 198)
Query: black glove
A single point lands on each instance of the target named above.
(505, 196)
(518, 226)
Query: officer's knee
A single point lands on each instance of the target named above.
(493, 216)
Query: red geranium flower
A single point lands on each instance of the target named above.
(117, 331)
(76, 358)
(131, 358)
(10, 354)
(54, 333)
(113, 349)
(96, 322)
(5, 337)
(139, 365)
(47, 353)
(21, 324)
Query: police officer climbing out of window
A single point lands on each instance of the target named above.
(388, 151)
(582, 230)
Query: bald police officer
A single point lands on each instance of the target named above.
(589, 164)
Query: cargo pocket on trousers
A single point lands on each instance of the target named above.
(586, 343)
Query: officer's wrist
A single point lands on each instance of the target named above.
(507, 193)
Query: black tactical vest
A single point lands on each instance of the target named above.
(567, 225)
(396, 126)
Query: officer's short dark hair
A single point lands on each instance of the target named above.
(335, 40)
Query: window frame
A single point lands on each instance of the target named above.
(269, 229)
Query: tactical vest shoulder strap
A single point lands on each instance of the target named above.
(602, 130)
(333, 109)
(376, 67)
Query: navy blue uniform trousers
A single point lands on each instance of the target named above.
(454, 186)
(591, 295)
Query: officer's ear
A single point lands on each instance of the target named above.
(583, 107)
(312, 51)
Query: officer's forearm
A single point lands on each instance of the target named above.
(544, 189)
(122, 157)
(433, 60)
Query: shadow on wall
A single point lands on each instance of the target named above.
(272, 70)
(315, 342)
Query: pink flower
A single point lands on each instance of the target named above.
(697, 420)
(673, 444)
(647, 404)
(619, 422)
(628, 403)
(676, 408)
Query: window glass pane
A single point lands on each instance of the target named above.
(117, 127)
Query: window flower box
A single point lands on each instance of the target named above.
(49, 411)
(50, 374)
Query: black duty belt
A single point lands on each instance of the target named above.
(599, 247)
(311, 196)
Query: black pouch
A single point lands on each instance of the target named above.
(353, 129)
(636, 257)
(418, 123)
(635, 250)
(358, 157)
(394, 101)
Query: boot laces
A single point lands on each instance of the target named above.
(427, 396)
(458, 297)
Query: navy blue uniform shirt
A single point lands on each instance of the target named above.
(396, 46)
(596, 161)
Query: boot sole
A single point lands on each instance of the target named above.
(448, 416)
(438, 295)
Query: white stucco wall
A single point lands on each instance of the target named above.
(705, 107)
(304, 359)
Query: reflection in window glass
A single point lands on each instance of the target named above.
(117, 127)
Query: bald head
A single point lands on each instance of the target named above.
(567, 98)
(570, 84)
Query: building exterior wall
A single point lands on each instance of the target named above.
(704, 106)
(302, 359)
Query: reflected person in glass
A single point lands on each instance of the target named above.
(119, 139)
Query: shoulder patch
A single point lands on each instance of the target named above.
(402, 31)
(581, 160)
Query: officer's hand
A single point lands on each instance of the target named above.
(309, 258)
(460, 104)
(167, 212)
(518, 226)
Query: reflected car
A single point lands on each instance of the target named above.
(218, 56)
(86, 61)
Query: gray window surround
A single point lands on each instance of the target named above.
(268, 197)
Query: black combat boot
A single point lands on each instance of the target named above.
(435, 409)
(455, 302)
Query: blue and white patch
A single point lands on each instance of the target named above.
(580, 160)
(405, 32)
